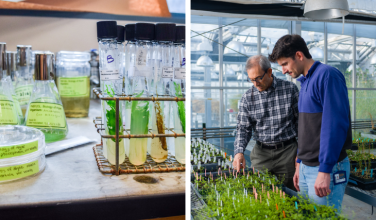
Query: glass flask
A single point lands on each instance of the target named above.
(45, 110)
(73, 82)
(110, 78)
(178, 90)
(24, 83)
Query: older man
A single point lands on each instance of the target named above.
(270, 110)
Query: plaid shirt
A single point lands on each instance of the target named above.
(272, 115)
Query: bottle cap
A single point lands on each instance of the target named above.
(129, 32)
(144, 31)
(11, 61)
(44, 66)
(106, 29)
(180, 34)
(120, 33)
(23, 55)
(165, 32)
(3, 49)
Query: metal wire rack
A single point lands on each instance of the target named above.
(126, 167)
(198, 206)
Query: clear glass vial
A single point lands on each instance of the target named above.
(110, 78)
(130, 54)
(178, 90)
(140, 75)
(160, 110)
(45, 110)
(24, 83)
(73, 82)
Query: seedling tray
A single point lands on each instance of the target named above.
(355, 164)
(210, 167)
(211, 158)
(362, 184)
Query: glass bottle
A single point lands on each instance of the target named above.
(24, 83)
(73, 82)
(8, 113)
(140, 75)
(178, 90)
(109, 79)
(165, 35)
(130, 53)
(45, 110)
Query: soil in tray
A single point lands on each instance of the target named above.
(356, 164)
(360, 179)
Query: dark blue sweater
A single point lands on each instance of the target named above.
(324, 131)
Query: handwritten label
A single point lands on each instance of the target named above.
(73, 86)
(141, 57)
(46, 115)
(167, 72)
(8, 113)
(18, 150)
(23, 94)
(19, 171)
(179, 73)
(110, 74)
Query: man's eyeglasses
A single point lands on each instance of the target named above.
(258, 79)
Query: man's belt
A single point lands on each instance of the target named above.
(276, 146)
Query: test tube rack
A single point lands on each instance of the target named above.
(169, 165)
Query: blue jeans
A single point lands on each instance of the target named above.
(307, 179)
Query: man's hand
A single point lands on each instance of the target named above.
(296, 177)
(239, 161)
(322, 184)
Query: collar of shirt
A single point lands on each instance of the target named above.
(310, 72)
(273, 86)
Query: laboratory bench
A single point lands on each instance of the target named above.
(71, 186)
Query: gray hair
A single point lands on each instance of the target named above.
(262, 61)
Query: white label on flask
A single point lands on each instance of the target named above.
(141, 57)
(167, 72)
(110, 74)
(179, 73)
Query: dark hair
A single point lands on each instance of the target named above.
(287, 46)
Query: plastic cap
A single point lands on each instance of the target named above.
(144, 31)
(129, 32)
(180, 34)
(44, 66)
(23, 55)
(106, 29)
(3, 49)
(73, 56)
(165, 31)
(120, 33)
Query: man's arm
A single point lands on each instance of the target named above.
(295, 109)
(243, 133)
(334, 126)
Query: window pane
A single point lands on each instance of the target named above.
(313, 35)
(365, 47)
(340, 48)
(271, 31)
(204, 52)
(365, 104)
(205, 108)
(231, 101)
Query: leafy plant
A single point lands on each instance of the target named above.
(251, 195)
